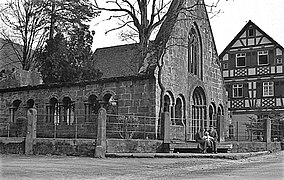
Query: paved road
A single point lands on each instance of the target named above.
(53, 167)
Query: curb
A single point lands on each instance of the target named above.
(232, 156)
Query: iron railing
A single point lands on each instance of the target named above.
(131, 127)
(75, 127)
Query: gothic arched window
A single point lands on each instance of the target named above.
(194, 52)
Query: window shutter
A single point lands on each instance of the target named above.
(271, 57)
(248, 59)
(253, 58)
(278, 88)
(229, 89)
(245, 90)
(258, 89)
(232, 61)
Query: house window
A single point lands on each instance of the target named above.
(225, 66)
(268, 89)
(237, 90)
(250, 32)
(279, 61)
(262, 57)
(241, 59)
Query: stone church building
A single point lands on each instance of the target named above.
(182, 76)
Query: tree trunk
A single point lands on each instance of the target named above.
(52, 21)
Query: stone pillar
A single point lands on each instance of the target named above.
(165, 127)
(267, 130)
(31, 130)
(100, 150)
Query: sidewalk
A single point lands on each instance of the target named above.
(233, 156)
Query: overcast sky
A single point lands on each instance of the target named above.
(267, 14)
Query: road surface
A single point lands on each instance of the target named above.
(65, 167)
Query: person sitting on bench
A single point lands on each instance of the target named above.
(202, 142)
(209, 140)
(213, 133)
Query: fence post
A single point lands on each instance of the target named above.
(267, 130)
(100, 150)
(165, 127)
(237, 130)
(31, 130)
(251, 129)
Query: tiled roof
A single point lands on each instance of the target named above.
(117, 61)
(8, 58)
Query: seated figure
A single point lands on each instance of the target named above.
(203, 144)
(209, 140)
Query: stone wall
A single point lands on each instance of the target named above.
(12, 145)
(240, 147)
(133, 146)
(81, 147)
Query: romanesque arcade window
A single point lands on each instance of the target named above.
(60, 113)
(92, 107)
(110, 104)
(68, 109)
(175, 107)
(169, 104)
(30, 103)
(212, 116)
(179, 111)
(52, 109)
(13, 109)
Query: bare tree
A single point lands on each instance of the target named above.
(141, 18)
(24, 22)
(29, 23)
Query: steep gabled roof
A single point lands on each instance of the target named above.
(250, 24)
(8, 57)
(117, 61)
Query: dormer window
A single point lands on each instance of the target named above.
(262, 57)
(241, 60)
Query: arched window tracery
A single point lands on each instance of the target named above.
(195, 52)
(198, 114)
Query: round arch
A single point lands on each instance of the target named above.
(198, 109)
(180, 110)
(212, 114)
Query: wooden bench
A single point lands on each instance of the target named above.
(192, 146)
